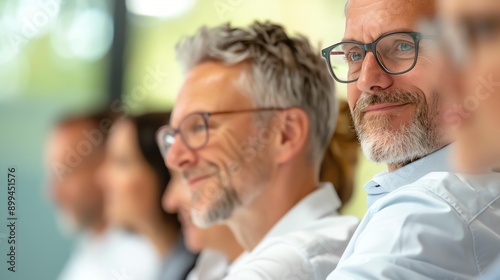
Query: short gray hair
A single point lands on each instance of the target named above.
(284, 72)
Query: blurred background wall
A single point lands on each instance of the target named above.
(74, 55)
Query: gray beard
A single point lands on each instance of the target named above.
(223, 205)
(407, 144)
(224, 198)
(412, 141)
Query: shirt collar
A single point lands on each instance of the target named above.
(386, 182)
(323, 202)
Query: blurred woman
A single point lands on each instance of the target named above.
(473, 29)
(135, 177)
(217, 244)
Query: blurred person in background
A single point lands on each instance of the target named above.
(248, 133)
(135, 177)
(75, 150)
(421, 223)
(471, 32)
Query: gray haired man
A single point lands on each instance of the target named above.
(252, 120)
(423, 221)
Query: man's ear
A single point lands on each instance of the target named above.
(291, 135)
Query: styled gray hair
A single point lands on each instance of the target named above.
(283, 72)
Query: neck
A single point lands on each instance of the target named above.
(227, 243)
(250, 223)
(98, 228)
(162, 235)
(233, 252)
(394, 167)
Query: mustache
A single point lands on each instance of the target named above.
(394, 96)
(198, 172)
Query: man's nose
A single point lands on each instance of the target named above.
(179, 155)
(372, 77)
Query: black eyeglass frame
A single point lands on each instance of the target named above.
(417, 37)
(205, 115)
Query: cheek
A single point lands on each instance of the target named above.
(68, 192)
(483, 90)
(488, 121)
(353, 94)
(140, 189)
(228, 149)
(80, 188)
(419, 78)
(124, 190)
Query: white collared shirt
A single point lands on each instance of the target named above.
(305, 244)
(440, 226)
(115, 254)
(210, 265)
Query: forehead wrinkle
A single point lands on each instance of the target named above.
(208, 82)
(371, 19)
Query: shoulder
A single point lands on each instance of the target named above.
(310, 253)
(466, 195)
(434, 227)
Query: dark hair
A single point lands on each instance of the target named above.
(146, 126)
(99, 120)
(341, 158)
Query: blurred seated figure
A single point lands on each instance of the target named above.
(475, 88)
(75, 149)
(134, 178)
(217, 244)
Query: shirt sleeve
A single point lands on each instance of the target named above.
(410, 234)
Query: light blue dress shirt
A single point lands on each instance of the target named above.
(439, 226)
(386, 182)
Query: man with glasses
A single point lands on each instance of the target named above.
(251, 123)
(421, 224)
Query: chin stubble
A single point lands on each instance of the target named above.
(221, 198)
(411, 141)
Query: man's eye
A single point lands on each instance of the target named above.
(198, 128)
(201, 127)
(405, 47)
(354, 57)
